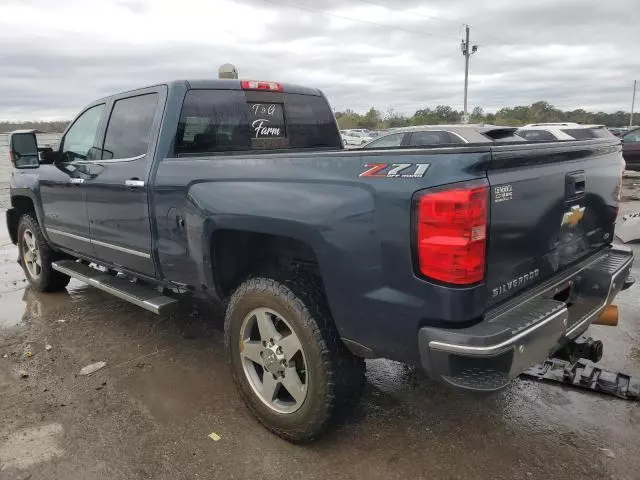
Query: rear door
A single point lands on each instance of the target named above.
(551, 205)
(117, 193)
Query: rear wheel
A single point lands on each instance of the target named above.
(35, 257)
(286, 358)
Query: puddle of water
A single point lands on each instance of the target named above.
(13, 308)
(30, 446)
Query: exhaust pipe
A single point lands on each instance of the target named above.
(609, 317)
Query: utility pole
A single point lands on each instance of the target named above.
(633, 103)
(467, 53)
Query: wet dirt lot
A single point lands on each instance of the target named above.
(165, 388)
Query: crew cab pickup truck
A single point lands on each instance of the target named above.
(474, 261)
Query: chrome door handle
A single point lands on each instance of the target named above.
(76, 181)
(134, 183)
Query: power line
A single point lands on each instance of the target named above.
(429, 17)
(342, 17)
(490, 35)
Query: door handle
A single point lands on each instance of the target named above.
(134, 183)
(76, 181)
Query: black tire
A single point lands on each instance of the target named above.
(47, 280)
(335, 376)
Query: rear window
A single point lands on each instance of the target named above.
(226, 120)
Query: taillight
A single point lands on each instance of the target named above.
(452, 234)
(260, 85)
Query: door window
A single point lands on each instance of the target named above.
(393, 140)
(78, 143)
(129, 130)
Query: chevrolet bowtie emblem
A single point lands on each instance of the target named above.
(573, 217)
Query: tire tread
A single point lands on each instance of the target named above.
(345, 371)
(50, 279)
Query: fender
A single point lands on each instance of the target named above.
(336, 220)
(26, 183)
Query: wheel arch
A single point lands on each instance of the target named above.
(20, 204)
(237, 253)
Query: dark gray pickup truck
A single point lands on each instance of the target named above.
(472, 260)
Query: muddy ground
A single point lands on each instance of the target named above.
(165, 389)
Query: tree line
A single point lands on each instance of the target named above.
(45, 127)
(538, 112)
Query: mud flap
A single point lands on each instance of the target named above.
(584, 375)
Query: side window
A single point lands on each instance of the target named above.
(536, 135)
(129, 128)
(393, 140)
(434, 137)
(579, 133)
(632, 137)
(79, 141)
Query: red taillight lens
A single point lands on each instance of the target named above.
(452, 234)
(259, 85)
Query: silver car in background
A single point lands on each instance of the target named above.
(433, 135)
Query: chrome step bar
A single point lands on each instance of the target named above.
(143, 296)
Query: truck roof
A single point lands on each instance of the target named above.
(220, 84)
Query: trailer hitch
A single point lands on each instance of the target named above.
(581, 348)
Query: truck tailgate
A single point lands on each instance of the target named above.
(551, 206)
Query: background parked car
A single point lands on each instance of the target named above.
(355, 137)
(429, 135)
(548, 132)
(631, 149)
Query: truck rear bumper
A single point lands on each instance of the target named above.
(528, 329)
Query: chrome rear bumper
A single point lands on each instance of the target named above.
(513, 337)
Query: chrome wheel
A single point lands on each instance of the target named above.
(273, 360)
(31, 254)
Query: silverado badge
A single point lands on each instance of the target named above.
(573, 217)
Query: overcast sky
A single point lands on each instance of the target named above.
(57, 55)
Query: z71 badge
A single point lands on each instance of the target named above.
(395, 170)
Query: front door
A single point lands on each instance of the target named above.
(62, 185)
(117, 192)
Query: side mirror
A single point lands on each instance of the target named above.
(49, 156)
(23, 149)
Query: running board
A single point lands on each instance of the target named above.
(143, 296)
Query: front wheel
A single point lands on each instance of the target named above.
(35, 257)
(286, 357)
